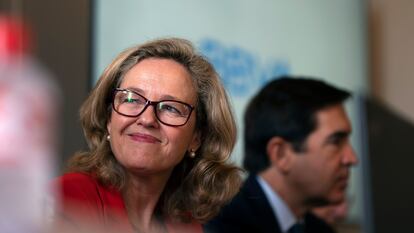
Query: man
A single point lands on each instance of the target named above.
(298, 153)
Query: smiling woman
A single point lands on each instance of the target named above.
(160, 132)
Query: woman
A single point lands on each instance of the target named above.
(160, 130)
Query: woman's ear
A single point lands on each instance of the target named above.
(278, 153)
(108, 127)
(195, 142)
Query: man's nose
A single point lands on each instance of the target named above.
(349, 157)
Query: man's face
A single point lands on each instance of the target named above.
(320, 172)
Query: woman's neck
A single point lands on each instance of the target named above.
(141, 195)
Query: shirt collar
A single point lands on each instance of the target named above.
(283, 214)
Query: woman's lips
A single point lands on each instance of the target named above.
(144, 138)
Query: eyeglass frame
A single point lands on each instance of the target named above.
(153, 104)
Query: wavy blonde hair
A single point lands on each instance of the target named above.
(198, 187)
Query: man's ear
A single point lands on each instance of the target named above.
(279, 156)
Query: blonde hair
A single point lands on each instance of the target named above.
(198, 187)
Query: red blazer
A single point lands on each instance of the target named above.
(86, 205)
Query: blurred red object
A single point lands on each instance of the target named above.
(28, 105)
(15, 36)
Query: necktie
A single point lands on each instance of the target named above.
(297, 228)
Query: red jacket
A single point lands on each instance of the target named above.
(86, 205)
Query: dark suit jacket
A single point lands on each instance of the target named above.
(250, 212)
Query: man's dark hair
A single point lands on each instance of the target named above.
(286, 107)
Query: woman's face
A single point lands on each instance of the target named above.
(142, 144)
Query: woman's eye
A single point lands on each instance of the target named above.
(133, 101)
(170, 109)
(129, 100)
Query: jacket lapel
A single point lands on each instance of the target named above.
(264, 216)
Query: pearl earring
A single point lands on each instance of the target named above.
(192, 154)
(108, 137)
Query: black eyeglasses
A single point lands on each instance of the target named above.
(169, 112)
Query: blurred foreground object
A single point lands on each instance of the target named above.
(28, 106)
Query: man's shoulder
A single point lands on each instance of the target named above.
(238, 206)
(240, 215)
(246, 198)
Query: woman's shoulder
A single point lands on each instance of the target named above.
(75, 177)
(76, 185)
(82, 201)
(76, 180)
(85, 188)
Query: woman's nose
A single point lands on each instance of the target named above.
(148, 118)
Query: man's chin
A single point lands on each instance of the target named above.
(337, 198)
(318, 202)
(324, 201)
